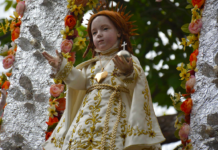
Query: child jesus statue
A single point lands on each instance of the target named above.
(108, 105)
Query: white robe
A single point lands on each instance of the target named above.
(82, 123)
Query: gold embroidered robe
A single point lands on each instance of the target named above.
(82, 123)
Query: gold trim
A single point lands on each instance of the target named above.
(65, 72)
(116, 93)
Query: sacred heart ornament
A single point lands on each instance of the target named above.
(99, 77)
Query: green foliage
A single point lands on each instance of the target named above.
(185, 29)
(8, 4)
(52, 127)
(152, 18)
(177, 134)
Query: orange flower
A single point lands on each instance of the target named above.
(70, 21)
(72, 58)
(12, 25)
(83, 2)
(15, 34)
(6, 85)
(8, 74)
(11, 52)
(51, 121)
(186, 106)
(61, 105)
(47, 135)
(18, 23)
(15, 49)
(199, 3)
(193, 56)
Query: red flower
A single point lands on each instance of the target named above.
(47, 135)
(70, 21)
(193, 56)
(198, 2)
(6, 85)
(186, 106)
(73, 57)
(61, 105)
(187, 118)
(15, 34)
(52, 121)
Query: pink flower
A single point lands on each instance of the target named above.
(8, 61)
(56, 89)
(190, 83)
(66, 46)
(184, 132)
(20, 8)
(195, 27)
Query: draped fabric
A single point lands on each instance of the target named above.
(83, 122)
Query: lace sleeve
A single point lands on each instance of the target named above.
(54, 70)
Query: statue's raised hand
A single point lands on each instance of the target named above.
(53, 61)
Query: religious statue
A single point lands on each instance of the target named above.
(109, 105)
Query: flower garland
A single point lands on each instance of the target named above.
(188, 74)
(9, 53)
(70, 44)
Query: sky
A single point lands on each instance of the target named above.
(159, 111)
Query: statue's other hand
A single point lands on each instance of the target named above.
(53, 61)
(125, 67)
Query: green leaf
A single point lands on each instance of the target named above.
(62, 95)
(182, 121)
(4, 53)
(1, 121)
(177, 106)
(189, 1)
(8, 5)
(52, 127)
(183, 84)
(4, 78)
(181, 113)
(176, 133)
(189, 6)
(185, 29)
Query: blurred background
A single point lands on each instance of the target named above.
(157, 47)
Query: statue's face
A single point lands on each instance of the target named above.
(104, 33)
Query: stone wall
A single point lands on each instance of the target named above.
(26, 113)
